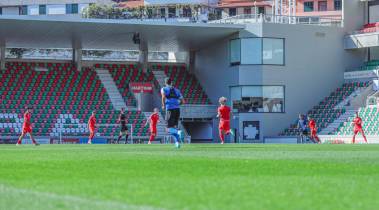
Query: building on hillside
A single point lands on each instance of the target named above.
(319, 8)
(231, 8)
(174, 9)
(330, 8)
(47, 7)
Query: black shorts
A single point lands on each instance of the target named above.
(172, 117)
(124, 128)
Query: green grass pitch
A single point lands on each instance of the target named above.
(195, 177)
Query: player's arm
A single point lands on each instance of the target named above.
(147, 122)
(181, 98)
(163, 99)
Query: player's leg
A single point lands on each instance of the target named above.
(20, 138)
(222, 136)
(91, 135)
(33, 140)
(355, 133)
(317, 139)
(364, 136)
(172, 117)
(126, 136)
(119, 137)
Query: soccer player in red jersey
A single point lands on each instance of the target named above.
(224, 115)
(312, 127)
(153, 121)
(27, 127)
(358, 127)
(91, 127)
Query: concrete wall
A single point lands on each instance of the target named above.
(314, 66)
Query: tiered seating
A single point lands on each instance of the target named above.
(370, 28)
(190, 87)
(370, 118)
(370, 65)
(60, 94)
(124, 74)
(326, 112)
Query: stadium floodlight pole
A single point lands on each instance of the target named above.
(98, 125)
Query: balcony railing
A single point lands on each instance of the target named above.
(280, 19)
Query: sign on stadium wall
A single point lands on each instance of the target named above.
(361, 74)
(141, 87)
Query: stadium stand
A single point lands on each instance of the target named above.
(188, 84)
(369, 115)
(58, 94)
(370, 28)
(370, 65)
(326, 111)
(124, 74)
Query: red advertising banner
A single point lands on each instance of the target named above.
(140, 87)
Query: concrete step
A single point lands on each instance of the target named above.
(111, 88)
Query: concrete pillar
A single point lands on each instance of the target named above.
(77, 58)
(143, 56)
(2, 57)
(191, 62)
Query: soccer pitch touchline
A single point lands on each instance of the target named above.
(48, 200)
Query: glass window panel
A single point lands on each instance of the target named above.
(255, 99)
(273, 51)
(251, 51)
(235, 51)
(308, 6)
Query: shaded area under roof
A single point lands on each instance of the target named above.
(69, 32)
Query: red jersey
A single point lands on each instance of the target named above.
(357, 123)
(224, 113)
(154, 119)
(92, 122)
(27, 117)
(312, 124)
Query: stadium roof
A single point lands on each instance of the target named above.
(69, 32)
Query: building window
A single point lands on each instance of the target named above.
(337, 5)
(163, 12)
(187, 12)
(171, 12)
(273, 51)
(322, 6)
(258, 99)
(235, 52)
(247, 10)
(72, 9)
(257, 51)
(42, 9)
(308, 6)
(261, 10)
(24, 10)
(232, 12)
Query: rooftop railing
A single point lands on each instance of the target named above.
(281, 19)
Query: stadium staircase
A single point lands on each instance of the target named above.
(370, 118)
(62, 99)
(332, 107)
(197, 104)
(351, 104)
(112, 90)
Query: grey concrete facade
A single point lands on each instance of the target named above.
(315, 61)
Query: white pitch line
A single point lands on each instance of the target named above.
(42, 199)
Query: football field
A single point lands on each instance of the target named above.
(201, 176)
